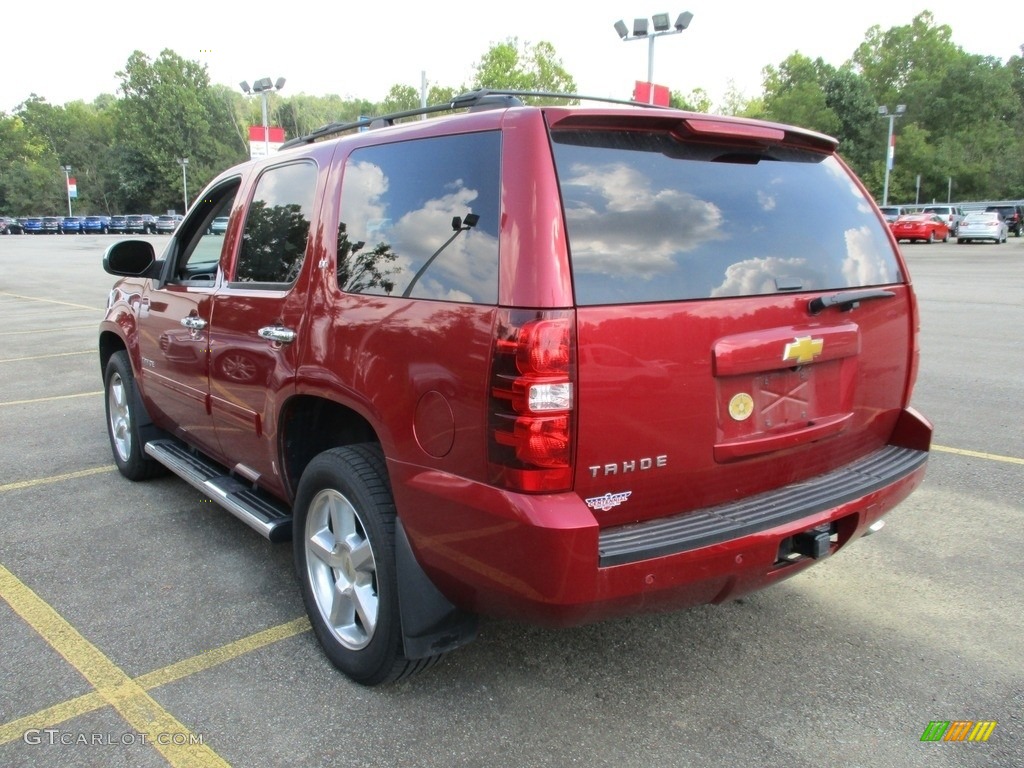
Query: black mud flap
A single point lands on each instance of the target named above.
(431, 625)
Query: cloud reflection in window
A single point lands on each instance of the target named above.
(401, 199)
(619, 224)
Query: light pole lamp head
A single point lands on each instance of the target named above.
(683, 21)
(639, 27)
(901, 108)
(263, 84)
(660, 22)
(279, 84)
(883, 111)
(622, 29)
(245, 87)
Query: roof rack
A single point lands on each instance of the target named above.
(483, 98)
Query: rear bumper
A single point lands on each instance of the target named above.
(544, 558)
(728, 522)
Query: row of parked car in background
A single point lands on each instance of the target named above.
(134, 223)
(939, 223)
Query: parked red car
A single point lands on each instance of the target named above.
(921, 227)
(525, 362)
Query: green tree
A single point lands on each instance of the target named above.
(794, 93)
(512, 65)
(696, 100)
(968, 107)
(26, 184)
(901, 57)
(735, 102)
(849, 97)
(169, 111)
(78, 135)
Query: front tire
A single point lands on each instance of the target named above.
(123, 419)
(344, 545)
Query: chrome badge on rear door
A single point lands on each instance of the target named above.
(803, 349)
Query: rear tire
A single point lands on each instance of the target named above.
(344, 546)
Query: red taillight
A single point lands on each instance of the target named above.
(530, 433)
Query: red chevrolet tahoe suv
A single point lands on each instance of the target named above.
(553, 363)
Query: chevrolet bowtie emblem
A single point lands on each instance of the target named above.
(803, 349)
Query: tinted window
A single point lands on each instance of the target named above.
(650, 218)
(420, 219)
(277, 225)
(195, 256)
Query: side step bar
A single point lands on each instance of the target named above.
(260, 511)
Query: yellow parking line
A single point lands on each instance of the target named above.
(51, 716)
(116, 688)
(49, 301)
(55, 478)
(978, 454)
(90, 702)
(48, 330)
(49, 399)
(46, 357)
(225, 653)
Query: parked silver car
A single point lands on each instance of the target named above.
(167, 223)
(982, 225)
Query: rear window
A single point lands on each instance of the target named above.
(1006, 211)
(651, 219)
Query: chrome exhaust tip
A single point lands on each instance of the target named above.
(875, 527)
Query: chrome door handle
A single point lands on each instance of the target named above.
(193, 323)
(277, 333)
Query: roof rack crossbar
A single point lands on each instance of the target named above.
(466, 100)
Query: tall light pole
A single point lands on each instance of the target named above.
(183, 162)
(67, 185)
(890, 150)
(661, 27)
(263, 87)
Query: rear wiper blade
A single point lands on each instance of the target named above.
(846, 300)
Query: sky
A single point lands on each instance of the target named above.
(361, 49)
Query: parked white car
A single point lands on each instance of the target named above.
(950, 214)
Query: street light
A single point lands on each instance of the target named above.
(883, 111)
(67, 185)
(661, 27)
(263, 87)
(183, 162)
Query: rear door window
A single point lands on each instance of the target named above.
(651, 218)
(419, 219)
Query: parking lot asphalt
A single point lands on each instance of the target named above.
(141, 625)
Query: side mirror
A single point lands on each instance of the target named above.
(131, 258)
